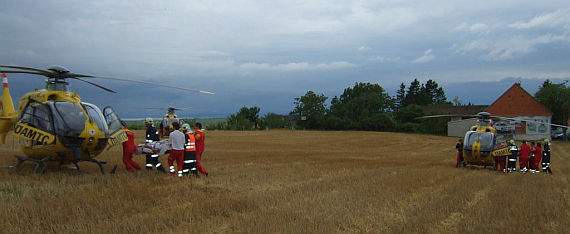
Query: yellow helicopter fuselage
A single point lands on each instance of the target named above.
(166, 123)
(57, 125)
(479, 147)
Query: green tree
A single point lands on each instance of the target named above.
(363, 107)
(413, 93)
(244, 119)
(409, 114)
(400, 96)
(431, 93)
(274, 121)
(555, 97)
(310, 110)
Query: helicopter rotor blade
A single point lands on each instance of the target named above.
(528, 120)
(151, 83)
(26, 68)
(96, 85)
(442, 116)
(24, 72)
(73, 75)
(181, 108)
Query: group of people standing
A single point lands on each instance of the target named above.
(186, 148)
(530, 157)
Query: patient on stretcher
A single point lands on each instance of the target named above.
(157, 147)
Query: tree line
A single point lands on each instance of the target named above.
(367, 106)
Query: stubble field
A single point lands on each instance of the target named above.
(292, 181)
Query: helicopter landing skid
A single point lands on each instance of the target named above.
(40, 167)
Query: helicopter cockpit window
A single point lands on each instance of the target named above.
(38, 116)
(96, 116)
(486, 139)
(69, 118)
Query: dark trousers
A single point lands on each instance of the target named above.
(546, 164)
(189, 163)
(512, 164)
(152, 161)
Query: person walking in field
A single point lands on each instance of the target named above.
(129, 148)
(200, 146)
(189, 151)
(546, 157)
(512, 163)
(176, 139)
(525, 155)
(532, 156)
(151, 137)
(459, 148)
(537, 158)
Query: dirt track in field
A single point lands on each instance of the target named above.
(292, 181)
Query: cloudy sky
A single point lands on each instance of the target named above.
(265, 53)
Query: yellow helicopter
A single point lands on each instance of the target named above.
(165, 126)
(482, 142)
(53, 124)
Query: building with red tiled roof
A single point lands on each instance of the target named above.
(532, 118)
(517, 102)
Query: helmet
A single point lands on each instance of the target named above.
(148, 120)
(185, 126)
(546, 141)
(512, 142)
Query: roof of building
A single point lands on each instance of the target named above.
(446, 109)
(517, 102)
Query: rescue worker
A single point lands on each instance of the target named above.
(546, 157)
(512, 163)
(502, 162)
(537, 158)
(532, 155)
(200, 146)
(524, 151)
(176, 139)
(151, 137)
(129, 148)
(459, 148)
(189, 151)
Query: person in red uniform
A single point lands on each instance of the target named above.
(200, 139)
(129, 148)
(537, 158)
(525, 155)
(176, 140)
(459, 148)
(532, 154)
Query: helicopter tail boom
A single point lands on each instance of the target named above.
(7, 112)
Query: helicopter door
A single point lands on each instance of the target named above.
(118, 134)
(36, 125)
(113, 120)
(96, 116)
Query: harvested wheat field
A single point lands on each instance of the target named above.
(292, 181)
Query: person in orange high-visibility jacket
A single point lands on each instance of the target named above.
(129, 148)
(189, 151)
(200, 146)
